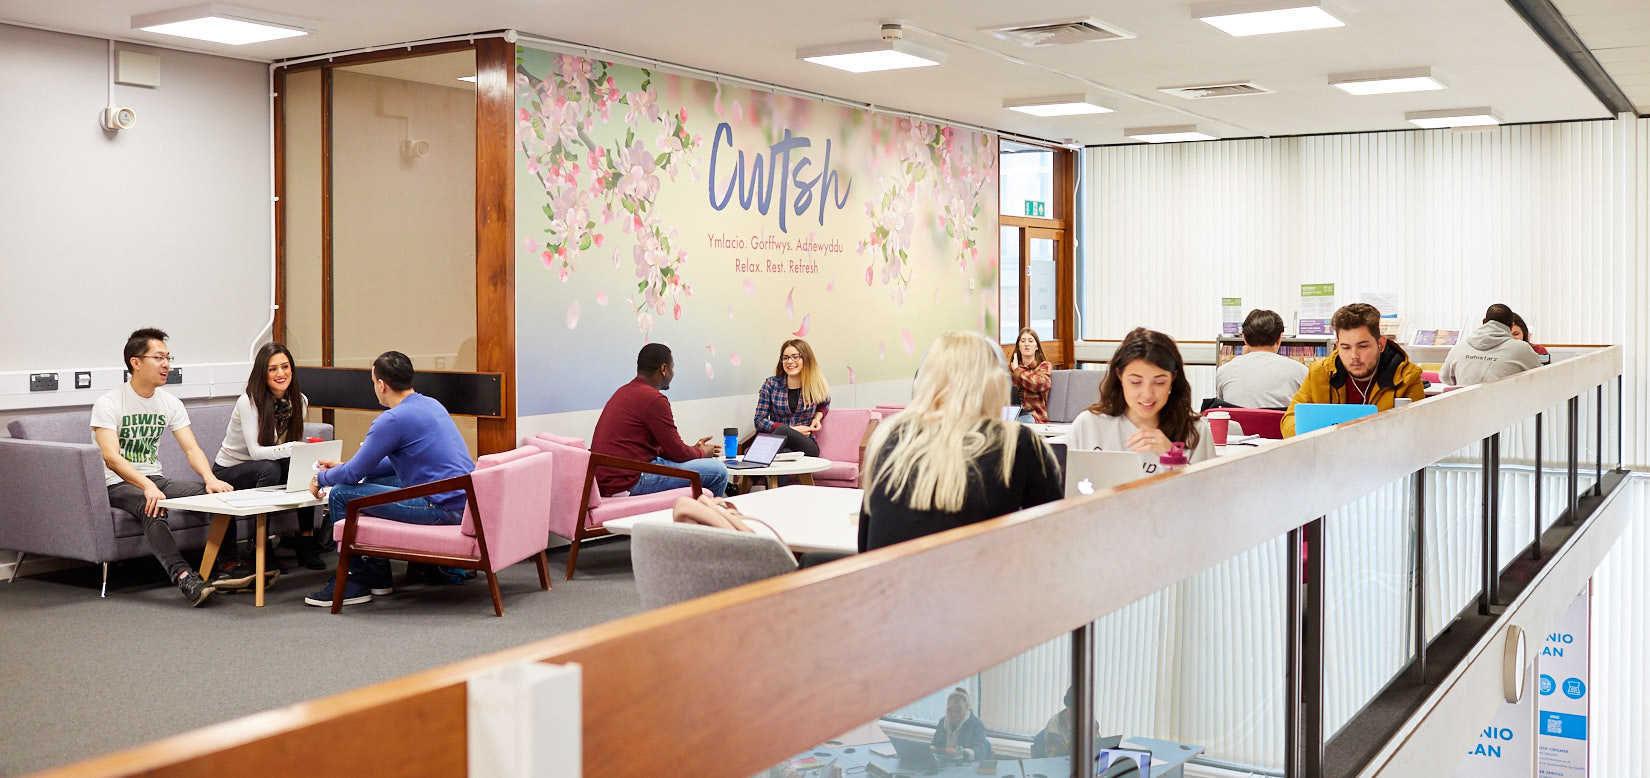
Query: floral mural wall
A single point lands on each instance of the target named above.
(722, 221)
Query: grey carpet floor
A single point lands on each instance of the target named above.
(82, 675)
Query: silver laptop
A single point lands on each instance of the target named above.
(304, 457)
(761, 453)
(1088, 472)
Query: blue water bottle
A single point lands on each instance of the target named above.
(730, 443)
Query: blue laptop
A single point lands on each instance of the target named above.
(1316, 416)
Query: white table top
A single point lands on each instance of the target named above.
(1050, 430)
(792, 467)
(212, 503)
(807, 518)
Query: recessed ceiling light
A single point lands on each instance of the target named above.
(222, 24)
(1453, 117)
(869, 56)
(1262, 17)
(471, 79)
(1173, 133)
(1387, 82)
(1057, 105)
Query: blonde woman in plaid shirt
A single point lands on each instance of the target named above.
(794, 400)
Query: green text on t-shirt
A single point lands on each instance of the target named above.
(140, 436)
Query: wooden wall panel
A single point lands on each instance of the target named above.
(495, 232)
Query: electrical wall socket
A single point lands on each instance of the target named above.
(83, 379)
(174, 376)
(42, 382)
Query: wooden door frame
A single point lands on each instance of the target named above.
(494, 213)
(1063, 221)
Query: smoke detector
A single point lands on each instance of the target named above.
(1224, 89)
(119, 118)
(1059, 32)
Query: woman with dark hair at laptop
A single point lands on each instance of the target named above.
(794, 400)
(267, 422)
(949, 458)
(960, 734)
(1145, 403)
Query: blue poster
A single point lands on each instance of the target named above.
(1562, 688)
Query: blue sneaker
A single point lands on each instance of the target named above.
(354, 594)
(374, 572)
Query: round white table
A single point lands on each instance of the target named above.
(803, 468)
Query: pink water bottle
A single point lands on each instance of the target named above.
(1173, 459)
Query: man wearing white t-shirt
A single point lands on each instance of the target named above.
(127, 423)
(1261, 377)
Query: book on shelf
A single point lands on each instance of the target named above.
(1304, 350)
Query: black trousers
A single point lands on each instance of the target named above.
(251, 475)
(796, 441)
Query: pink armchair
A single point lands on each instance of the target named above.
(576, 475)
(841, 439)
(506, 520)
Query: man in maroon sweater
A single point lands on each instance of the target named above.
(637, 424)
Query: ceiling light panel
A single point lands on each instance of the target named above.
(222, 24)
(871, 56)
(1264, 17)
(1057, 105)
(1453, 117)
(1174, 133)
(1388, 82)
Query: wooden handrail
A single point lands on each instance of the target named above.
(819, 651)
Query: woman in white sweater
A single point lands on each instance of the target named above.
(1145, 404)
(268, 420)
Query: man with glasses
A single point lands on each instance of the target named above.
(127, 424)
(637, 424)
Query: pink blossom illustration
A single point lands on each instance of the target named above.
(882, 349)
(750, 287)
(601, 298)
(573, 315)
(802, 331)
(583, 180)
(790, 306)
(711, 349)
(908, 342)
(730, 311)
(830, 286)
(733, 359)
(850, 374)
(710, 372)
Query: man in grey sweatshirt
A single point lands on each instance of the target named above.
(1490, 352)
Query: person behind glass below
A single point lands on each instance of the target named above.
(267, 422)
(1521, 331)
(637, 424)
(127, 423)
(949, 459)
(1145, 404)
(1260, 377)
(1492, 351)
(1031, 374)
(1058, 734)
(1366, 368)
(794, 400)
(960, 734)
(414, 442)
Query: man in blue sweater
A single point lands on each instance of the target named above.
(414, 442)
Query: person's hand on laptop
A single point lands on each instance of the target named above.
(216, 486)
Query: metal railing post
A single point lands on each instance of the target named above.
(1420, 573)
(1303, 716)
(1535, 547)
(1082, 702)
(1573, 496)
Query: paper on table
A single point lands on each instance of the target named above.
(260, 499)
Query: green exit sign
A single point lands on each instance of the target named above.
(1037, 208)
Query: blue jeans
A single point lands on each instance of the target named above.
(418, 510)
(713, 476)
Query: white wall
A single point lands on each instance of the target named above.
(166, 224)
(1547, 218)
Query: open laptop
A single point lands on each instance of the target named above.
(304, 457)
(1011, 412)
(761, 453)
(1316, 416)
(914, 755)
(1088, 472)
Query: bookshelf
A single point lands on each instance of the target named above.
(1305, 350)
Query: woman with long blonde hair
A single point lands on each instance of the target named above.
(794, 400)
(949, 459)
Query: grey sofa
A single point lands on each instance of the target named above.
(1070, 392)
(55, 503)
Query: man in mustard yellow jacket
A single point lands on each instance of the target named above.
(1366, 369)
